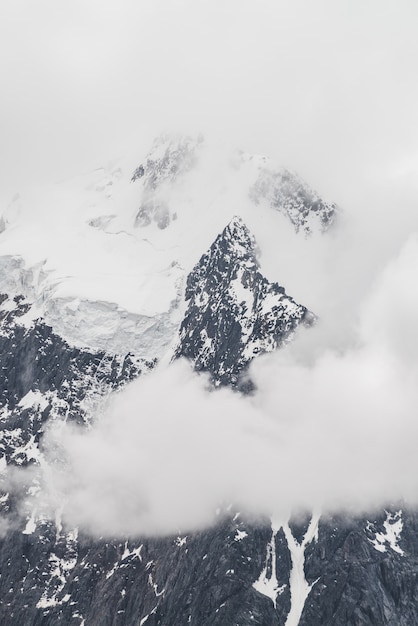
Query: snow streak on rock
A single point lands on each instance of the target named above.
(267, 583)
(234, 313)
(299, 587)
(390, 534)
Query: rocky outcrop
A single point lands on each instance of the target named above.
(234, 312)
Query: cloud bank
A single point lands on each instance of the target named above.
(331, 429)
(329, 91)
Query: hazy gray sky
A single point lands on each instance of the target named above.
(329, 87)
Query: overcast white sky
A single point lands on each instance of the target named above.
(328, 87)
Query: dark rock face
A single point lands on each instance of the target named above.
(362, 580)
(234, 313)
(205, 578)
(356, 571)
(36, 359)
(42, 377)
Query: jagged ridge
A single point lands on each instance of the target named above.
(234, 312)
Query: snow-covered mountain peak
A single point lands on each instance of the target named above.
(236, 235)
(234, 312)
(119, 242)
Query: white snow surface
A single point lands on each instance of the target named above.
(299, 587)
(268, 585)
(100, 280)
(392, 530)
(30, 524)
(34, 398)
(240, 535)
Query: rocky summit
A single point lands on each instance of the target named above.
(233, 312)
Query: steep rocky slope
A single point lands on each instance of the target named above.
(233, 312)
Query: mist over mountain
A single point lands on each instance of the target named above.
(208, 251)
(164, 393)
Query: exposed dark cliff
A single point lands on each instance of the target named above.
(234, 313)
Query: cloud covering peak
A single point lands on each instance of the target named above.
(333, 430)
